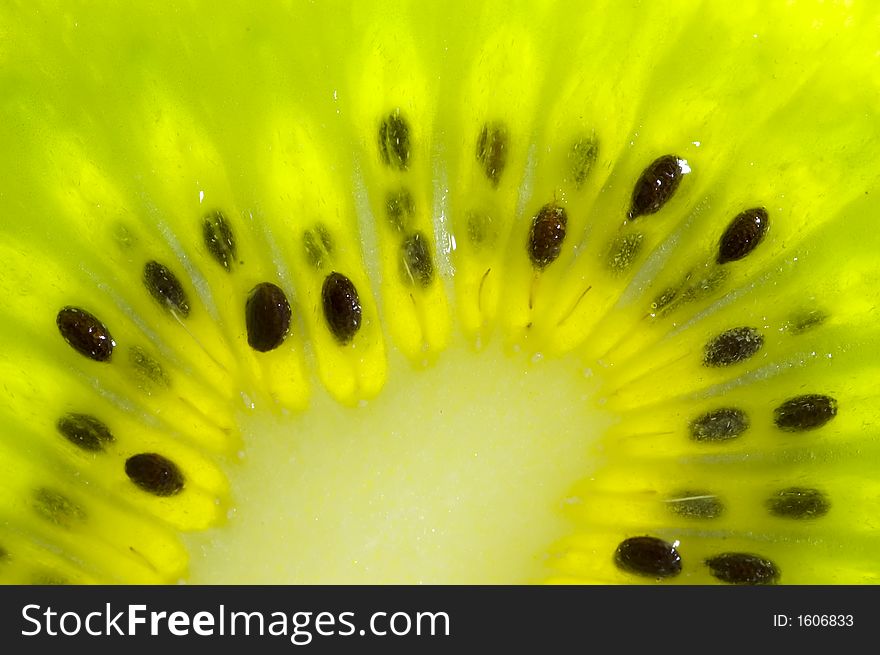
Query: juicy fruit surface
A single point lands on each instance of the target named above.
(678, 200)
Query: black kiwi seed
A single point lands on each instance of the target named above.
(154, 474)
(719, 425)
(743, 235)
(803, 413)
(655, 186)
(342, 307)
(85, 431)
(732, 346)
(416, 265)
(547, 235)
(267, 317)
(743, 569)
(648, 556)
(394, 146)
(165, 288)
(492, 147)
(85, 333)
(399, 209)
(695, 504)
(219, 239)
(57, 508)
(581, 157)
(798, 503)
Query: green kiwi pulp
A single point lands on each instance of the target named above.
(408, 292)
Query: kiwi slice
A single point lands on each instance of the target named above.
(387, 292)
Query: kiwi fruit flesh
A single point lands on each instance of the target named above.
(408, 292)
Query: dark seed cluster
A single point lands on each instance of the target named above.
(219, 240)
(648, 556)
(798, 414)
(798, 503)
(804, 413)
(85, 431)
(732, 346)
(342, 307)
(267, 317)
(166, 289)
(155, 474)
(652, 557)
(720, 424)
(546, 235)
(394, 141)
(493, 144)
(85, 333)
(743, 235)
(696, 504)
(417, 267)
(743, 569)
(656, 186)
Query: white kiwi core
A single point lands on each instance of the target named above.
(457, 473)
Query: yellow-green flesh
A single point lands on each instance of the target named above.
(499, 425)
(431, 482)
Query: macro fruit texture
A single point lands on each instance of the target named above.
(403, 292)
